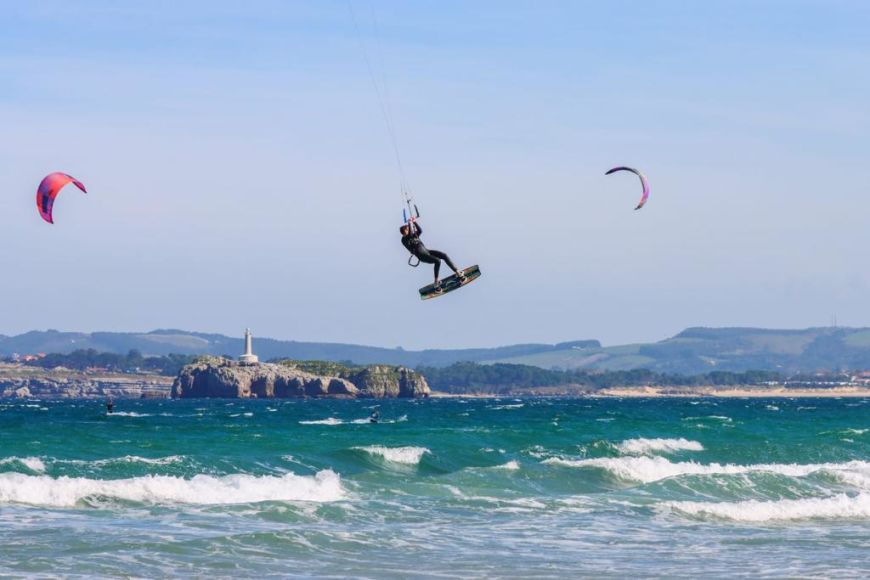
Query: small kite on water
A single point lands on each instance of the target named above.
(643, 182)
(48, 190)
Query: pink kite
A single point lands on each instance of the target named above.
(48, 190)
(643, 182)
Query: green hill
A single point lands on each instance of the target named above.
(701, 350)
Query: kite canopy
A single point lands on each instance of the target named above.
(48, 190)
(643, 182)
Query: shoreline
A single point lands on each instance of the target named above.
(675, 393)
(733, 393)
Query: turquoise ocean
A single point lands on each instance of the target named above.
(440, 488)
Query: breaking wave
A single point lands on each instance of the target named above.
(643, 446)
(840, 506)
(32, 463)
(42, 490)
(403, 455)
(650, 469)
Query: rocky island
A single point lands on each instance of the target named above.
(217, 377)
(248, 378)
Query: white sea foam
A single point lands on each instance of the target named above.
(401, 419)
(403, 455)
(650, 469)
(127, 459)
(536, 451)
(642, 446)
(43, 490)
(512, 465)
(722, 418)
(327, 421)
(32, 463)
(505, 407)
(128, 414)
(841, 506)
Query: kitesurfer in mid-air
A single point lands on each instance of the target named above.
(411, 232)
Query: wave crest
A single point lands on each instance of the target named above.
(42, 490)
(841, 506)
(650, 469)
(512, 465)
(403, 455)
(642, 446)
(34, 464)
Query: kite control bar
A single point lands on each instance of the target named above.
(407, 214)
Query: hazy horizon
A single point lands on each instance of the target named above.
(240, 172)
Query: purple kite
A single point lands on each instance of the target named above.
(48, 190)
(643, 182)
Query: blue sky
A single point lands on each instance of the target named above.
(240, 172)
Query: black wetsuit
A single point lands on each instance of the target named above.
(414, 245)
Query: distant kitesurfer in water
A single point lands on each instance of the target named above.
(411, 232)
(110, 406)
(375, 416)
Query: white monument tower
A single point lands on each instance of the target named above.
(249, 357)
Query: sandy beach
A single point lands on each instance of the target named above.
(732, 392)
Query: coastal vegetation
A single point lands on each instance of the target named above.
(132, 362)
(468, 377)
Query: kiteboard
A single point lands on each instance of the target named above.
(450, 283)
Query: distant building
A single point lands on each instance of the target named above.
(249, 357)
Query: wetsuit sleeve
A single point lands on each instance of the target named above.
(417, 228)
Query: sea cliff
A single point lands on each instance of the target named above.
(20, 381)
(215, 377)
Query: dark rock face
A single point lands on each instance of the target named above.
(412, 384)
(213, 377)
(385, 382)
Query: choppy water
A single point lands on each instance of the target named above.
(444, 488)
